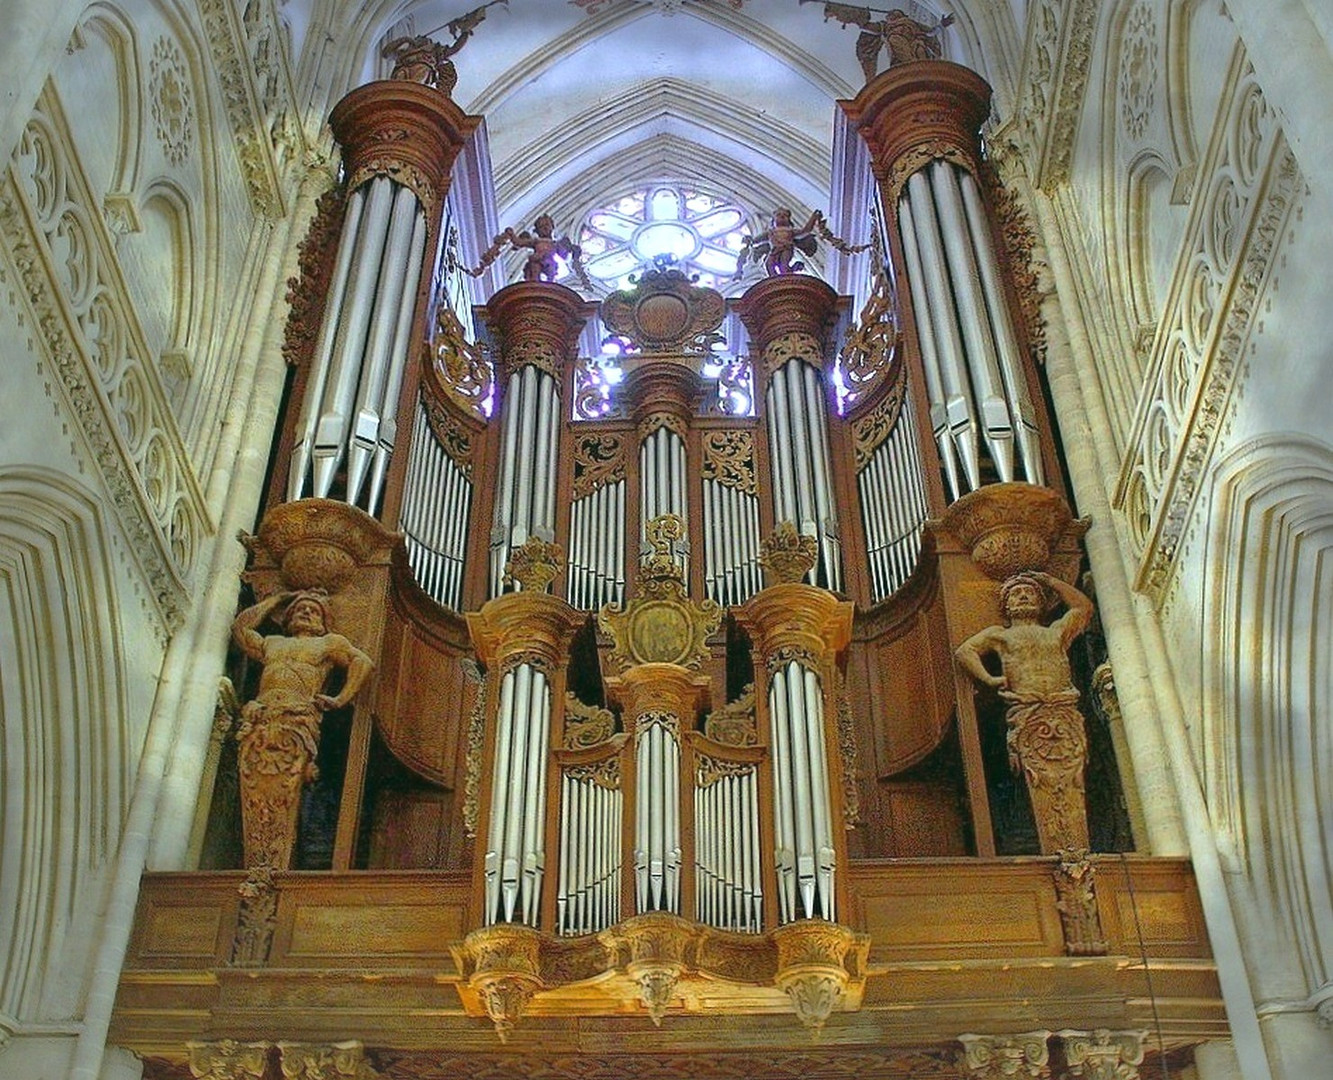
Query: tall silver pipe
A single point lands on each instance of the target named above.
(794, 393)
(511, 410)
(543, 465)
(971, 307)
(783, 791)
(642, 799)
(617, 594)
(823, 476)
(820, 791)
(943, 314)
(780, 449)
(499, 791)
(376, 359)
(319, 365)
(1010, 356)
(533, 785)
(803, 794)
(520, 521)
(336, 405)
(511, 859)
(930, 361)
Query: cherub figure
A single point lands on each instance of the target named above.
(1047, 741)
(778, 247)
(279, 732)
(544, 248)
(424, 60)
(905, 38)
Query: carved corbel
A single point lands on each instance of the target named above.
(658, 946)
(1102, 1054)
(813, 966)
(227, 1059)
(504, 965)
(1000, 1057)
(336, 1061)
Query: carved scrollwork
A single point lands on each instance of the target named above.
(1102, 1054)
(592, 391)
(665, 312)
(1006, 1057)
(734, 723)
(797, 345)
(586, 725)
(602, 773)
(874, 427)
(465, 371)
(534, 565)
(227, 1059)
(337, 1061)
(454, 438)
(787, 654)
(599, 459)
(873, 342)
(659, 718)
(848, 751)
(709, 770)
(729, 459)
(786, 555)
(655, 420)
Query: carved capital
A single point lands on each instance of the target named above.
(537, 323)
(523, 627)
(788, 317)
(657, 689)
(999, 1057)
(335, 1061)
(1008, 528)
(227, 1059)
(798, 617)
(914, 113)
(1102, 1054)
(404, 130)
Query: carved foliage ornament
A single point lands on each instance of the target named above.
(875, 426)
(173, 111)
(256, 919)
(599, 459)
(307, 291)
(734, 723)
(1076, 900)
(476, 742)
(1102, 1054)
(227, 1060)
(729, 459)
(534, 565)
(586, 725)
(786, 555)
(464, 370)
(451, 433)
(872, 344)
(797, 345)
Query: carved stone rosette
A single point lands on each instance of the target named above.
(912, 114)
(538, 323)
(1006, 1057)
(406, 131)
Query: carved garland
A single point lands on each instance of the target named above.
(729, 459)
(1020, 239)
(309, 288)
(476, 744)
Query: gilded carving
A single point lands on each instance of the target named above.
(227, 1059)
(872, 343)
(1009, 528)
(654, 420)
(1076, 900)
(586, 725)
(786, 556)
(734, 723)
(709, 770)
(660, 718)
(534, 564)
(279, 733)
(1007, 1057)
(661, 625)
(1020, 244)
(878, 423)
(503, 965)
(476, 742)
(797, 345)
(1102, 1054)
(335, 1061)
(452, 435)
(319, 543)
(848, 751)
(256, 918)
(604, 773)
(663, 312)
(813, 966)
(598, 460)
(1046, 738)
(729, 459)
(465, 371)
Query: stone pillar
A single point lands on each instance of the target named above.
(399, 141)
(537, 325)
(790, 319)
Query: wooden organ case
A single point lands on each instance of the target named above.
(666, 716)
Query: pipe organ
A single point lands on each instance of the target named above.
(718, 648)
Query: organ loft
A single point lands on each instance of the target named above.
(669, 677)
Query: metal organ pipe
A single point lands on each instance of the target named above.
(437, 502)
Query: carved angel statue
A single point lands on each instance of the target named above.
(905, 38)
(544, 248)
(424, 60)
(778, 247)
(1047, 741)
